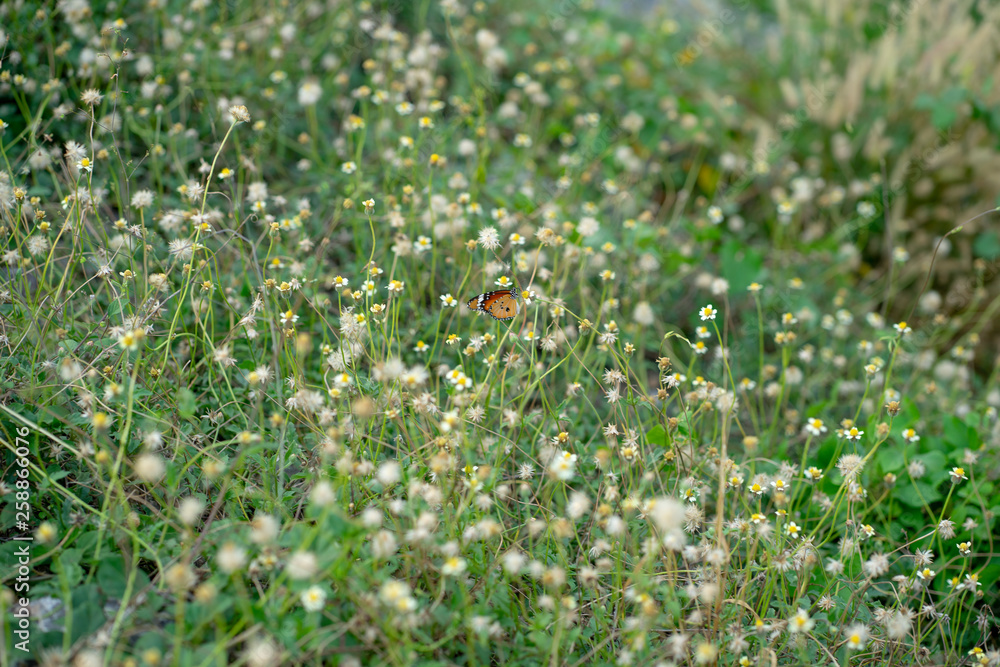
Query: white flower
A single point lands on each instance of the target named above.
(453, 566)
(708, 312)
(866, 209)
(815, 426)
(489, 238)
(313, 598)
(396, 595)
(857, 636)
(309, 93)
(563, 465)
(142, 199)
(588, 226)
(801, 622)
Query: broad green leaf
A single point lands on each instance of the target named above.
(186, 404)
(657, 436)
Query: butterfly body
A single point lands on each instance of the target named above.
(498, 304)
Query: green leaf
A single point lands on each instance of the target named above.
(111, 577)
(825, 454)
(890, 459)
(944, 109)
(186, 404)
(958, 434)
(88, 611)
(68, 565)
(55, 473)
(540, 639)
(906, 494)
(739, 265)
(915, 494)
(338, 528)
(657, 436)
(817, 408)
(988, 576)
(116, 307)
(987, 245)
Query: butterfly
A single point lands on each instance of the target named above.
(499, 304)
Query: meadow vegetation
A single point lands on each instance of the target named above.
(747, 414)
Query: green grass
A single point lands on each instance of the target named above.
(744, 416)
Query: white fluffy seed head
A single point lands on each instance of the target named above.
(265, 528)
(666, 513)
(150, 468)
(190, 510)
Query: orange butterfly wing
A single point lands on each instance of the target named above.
(499, 304)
